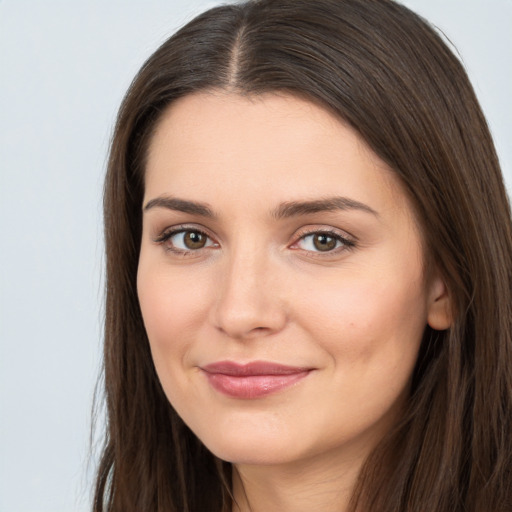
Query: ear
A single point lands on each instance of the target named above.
(440, 311)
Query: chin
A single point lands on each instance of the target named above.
(253, 454)
(252, 444)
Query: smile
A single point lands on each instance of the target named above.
(252, 380)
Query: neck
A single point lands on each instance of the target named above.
(309, 485)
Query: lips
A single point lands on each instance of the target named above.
(252, 380)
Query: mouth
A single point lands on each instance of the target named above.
(253, 380)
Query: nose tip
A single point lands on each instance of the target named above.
(249, 303)
(247, 321)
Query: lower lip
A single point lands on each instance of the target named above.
(253, 386)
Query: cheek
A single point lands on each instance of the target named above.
(371, 327)
(389, 298)
(371, 332)
(173, 310)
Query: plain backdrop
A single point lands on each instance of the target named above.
(64, 66)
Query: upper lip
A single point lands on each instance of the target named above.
(252, 369)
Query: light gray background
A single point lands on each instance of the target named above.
(64, 66)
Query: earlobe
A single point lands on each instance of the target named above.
(440, 311)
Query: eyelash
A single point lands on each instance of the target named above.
(346, 242)
(166, 235)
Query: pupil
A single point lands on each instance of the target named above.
(194, 240)
(324, 242)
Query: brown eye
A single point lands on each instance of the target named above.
(323, 242)
(194, 240)
(185, 240)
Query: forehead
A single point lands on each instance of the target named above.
(273, 146)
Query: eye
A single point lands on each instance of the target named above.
(185, 240)
(323, 241)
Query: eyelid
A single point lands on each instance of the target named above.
(171, 231)
(348, 241)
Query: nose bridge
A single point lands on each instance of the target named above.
(248, 298)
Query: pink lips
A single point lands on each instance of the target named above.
(252, 380)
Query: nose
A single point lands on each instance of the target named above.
(249, 300)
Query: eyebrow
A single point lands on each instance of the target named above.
(330, 204)
(283, 211)
(180, 205)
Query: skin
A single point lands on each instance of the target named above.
(260, 290)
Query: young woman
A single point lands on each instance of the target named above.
(309, 272)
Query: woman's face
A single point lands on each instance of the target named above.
(281, 279)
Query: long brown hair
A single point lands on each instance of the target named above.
(387, 73)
